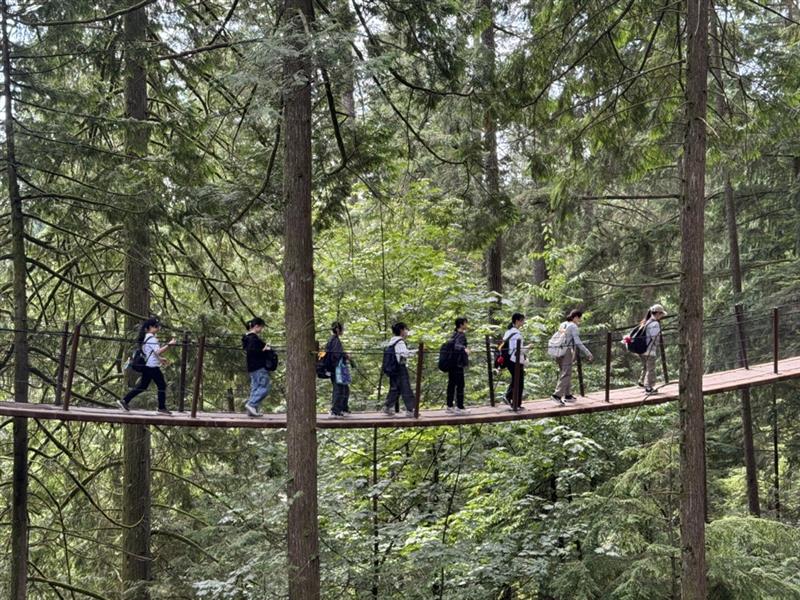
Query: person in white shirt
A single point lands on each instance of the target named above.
(512, 338)
(572, 344)
(399, 383)
(652, 326)
(152, 370)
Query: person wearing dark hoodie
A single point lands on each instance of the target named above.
(455, 376)
(338, 359)
(256, 354)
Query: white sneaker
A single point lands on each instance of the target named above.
(389, 412)
(462, 411)
(450, 410)
(252, 411)
(409, 414)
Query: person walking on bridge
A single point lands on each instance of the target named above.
(340, 376)
(652, 326)
(399, 382)
(459, 361)
(257, 354)
(512, 340)
(148, 342)
(563, 347)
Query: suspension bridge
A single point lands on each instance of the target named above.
(731, 340)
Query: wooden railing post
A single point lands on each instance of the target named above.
(73, 357)
(580, 371)
(776, 474)
(663, 358)
(739, 312)
(608, 366)
(516, 392)
(62, 362)
(490, 369)
(420, 363)
(774, 340)
(229, 398)
(182, 377)
(198, 374)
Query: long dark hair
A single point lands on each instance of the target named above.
(146, 324)
(647, 317)
(516, 317)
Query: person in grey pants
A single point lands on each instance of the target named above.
(653, 331)
(572, 341)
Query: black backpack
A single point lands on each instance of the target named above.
(502, 357)
(323, 367)
(390, 364)
(270, 360)
(137, 360)
(448, 357)
(638, 343)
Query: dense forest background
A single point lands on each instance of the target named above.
(469, 158)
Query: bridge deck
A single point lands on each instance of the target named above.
(713, 383)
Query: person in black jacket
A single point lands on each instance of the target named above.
(455, 376)
(334, 353)
(256, 355)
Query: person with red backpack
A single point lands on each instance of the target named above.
(652, 328)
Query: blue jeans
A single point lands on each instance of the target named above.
(259, 387)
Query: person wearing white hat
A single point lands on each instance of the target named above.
(652, 327)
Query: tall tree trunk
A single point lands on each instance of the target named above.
(136, 559)
(690, 317)
(796, 181)
(491, 168)
(19, 501)
(748, 444)
(298, 275)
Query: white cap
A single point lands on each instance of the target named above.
(657, 308)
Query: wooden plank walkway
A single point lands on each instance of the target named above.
(630, 397)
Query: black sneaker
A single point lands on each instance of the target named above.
(558, 399)
(164, 411)
(570, 398)
(649, 390)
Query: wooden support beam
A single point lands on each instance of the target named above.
(73, 357)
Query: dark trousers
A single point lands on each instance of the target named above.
(399, 385)
(150, 374)
(341, 396)
(516, 400)
(455, 387)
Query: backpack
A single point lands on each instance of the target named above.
(270, 360)
(323, 367)
(448, 357)
(137, 360)
(557, 346)
(502, 359)
(390, 364)
(637, 339)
